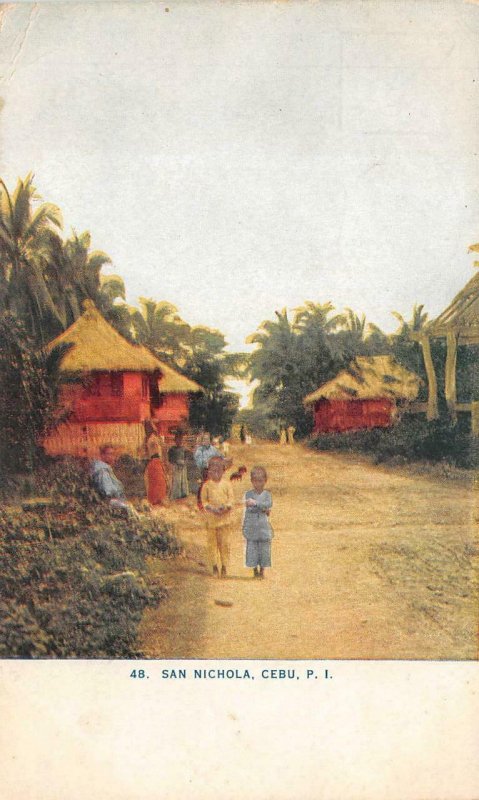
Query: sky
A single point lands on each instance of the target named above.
(238, 158)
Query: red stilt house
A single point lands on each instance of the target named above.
(122, 384)
(366, 395)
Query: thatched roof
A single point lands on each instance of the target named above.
(368, 378)
(171, 381)
(461, 316)
(98, 347)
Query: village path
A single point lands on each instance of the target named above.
(368, 562)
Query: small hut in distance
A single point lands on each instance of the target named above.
(121, 385)
(366, 395)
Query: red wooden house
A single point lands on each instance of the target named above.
(122, 385)
(366, 395)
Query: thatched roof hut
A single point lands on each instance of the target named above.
(98, 347)
(364, 395)
(370, 378)
(123, 384)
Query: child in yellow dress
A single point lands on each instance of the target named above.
(217, 500)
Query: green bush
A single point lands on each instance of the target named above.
(413, 438)
(73, 577)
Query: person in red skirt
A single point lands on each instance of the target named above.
(155, 476)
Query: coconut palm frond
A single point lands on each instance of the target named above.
(112, 287)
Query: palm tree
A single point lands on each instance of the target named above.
(76, 271)
(28, 237)
(316, 327)
(75, 276)
(358, 337)
(314, 317)
(273, 360)
(276, 364)
(159, 326)
(417, 322)
(405, 348)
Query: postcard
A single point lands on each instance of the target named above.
(239, 400)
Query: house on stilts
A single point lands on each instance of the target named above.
(368, 394)
(120, 386)
(458, 325)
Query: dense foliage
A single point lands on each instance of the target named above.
(74, 579)
(293, 358)
(45, 278)
(29, 382)
(411, 439)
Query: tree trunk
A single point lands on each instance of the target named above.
(432, 407)
(450, 380)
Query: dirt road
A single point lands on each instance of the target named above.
(367, 563)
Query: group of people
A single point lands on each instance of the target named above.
(286, 434)
(218, 503)
(215, 494)
(175, 473)
(187, 467)
(156, 479)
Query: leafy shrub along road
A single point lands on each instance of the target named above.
(73, 578)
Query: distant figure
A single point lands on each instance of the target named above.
(225, 448)
(155, 478)
(177, 457)
(242, 434)
(282, 435)
(105, 481)
(248, 440)
(217, 501)
(291, 432)
(257, 529)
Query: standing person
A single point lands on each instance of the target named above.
(204, 452)
(282, 435)
(242, 434)
(155, 478)
(202, 455)
(217, 501)
(177, 457)
(291, 432)
(257, 529)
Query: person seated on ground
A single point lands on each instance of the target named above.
(107, 484)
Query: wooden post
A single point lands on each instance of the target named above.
(450, 380)
(474, 445)
(432, 409)
(475, 418)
